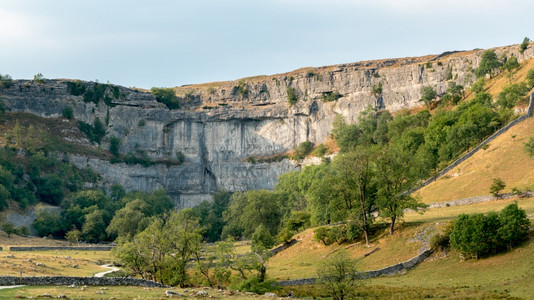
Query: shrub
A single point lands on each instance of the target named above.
(76, 88)
(376, 90)
(428, 94)
(68, 112)
(302, 150)
(524, 45)
(478, 86)
(23, 230)
(255, 285)
(94, 132)
(39, 78)
(454, 94)
(528, 147)
(180, 157)
(292, 96)
(320, 150)
(114, 145)
(338, 276)
(6, 81)
(241, 89)
(511, 63)
(530, 79)
(141, 123)
(166, 96)
(321, 235)
(334, 96)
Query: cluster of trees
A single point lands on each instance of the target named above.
(166, 96)
(34, 177)
(478, 235)
(172, 243)
(94, 216)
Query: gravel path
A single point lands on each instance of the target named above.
(112, 269)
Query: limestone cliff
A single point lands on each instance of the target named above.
(221, 125)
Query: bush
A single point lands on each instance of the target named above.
(76, 88)
(478, 235)
(302, 150)
(530, 79)
(23, 230)
(524, 45)
(478, 86)
(180, 157)
(321, 235)
(528, 147)
(511, 94)
(254, 285)
(95, 133)
(114, 145)
(166, 96)
(511, 63)
(334, 96)
(39, 78)
(68, 112)
(141, 123)
(292, 96)
(241, 89)
(6, 81)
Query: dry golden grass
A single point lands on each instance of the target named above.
(53, 263)
(445, 214)
(302, 259)
(504, 158)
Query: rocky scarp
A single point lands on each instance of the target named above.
(224, 129)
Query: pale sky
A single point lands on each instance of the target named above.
(174, 42)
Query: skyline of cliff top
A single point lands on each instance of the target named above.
(171, 43)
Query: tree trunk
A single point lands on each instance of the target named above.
(392, 227)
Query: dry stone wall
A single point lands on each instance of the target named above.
(60, 248)
(77, 281)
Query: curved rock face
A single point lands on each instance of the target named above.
(222, 125)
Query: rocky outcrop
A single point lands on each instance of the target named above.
(222, 125)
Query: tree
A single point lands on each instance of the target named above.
(73, 236)
(262, 239)
(524, 45)
(166, 96)
(428, 95)
(94, 227)
(515, 225)
(454, 94)
(488, 63)
(129, 220)
(497, 186)
(302, 150)
(397, 174)
(475, 235)
(339, 276)
(9, 228)
(47, 222)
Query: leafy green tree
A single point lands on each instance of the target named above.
(73, 236)
(428, 95)
(9, 229)
(50, 189)
(488, 63)
(94, 227)
(454, 94)
(129, 220)
(524, 45)
(515, 225)
(512, 93)
(475, 235)
(345, 135)
(289, 194)
(338, 275)
(47, 222)
(396, 174)
(4, 196)
(262, 239)
(497, 186)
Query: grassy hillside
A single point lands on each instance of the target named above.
(504, 158)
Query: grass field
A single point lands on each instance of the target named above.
(504, 158)
(119, 292)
